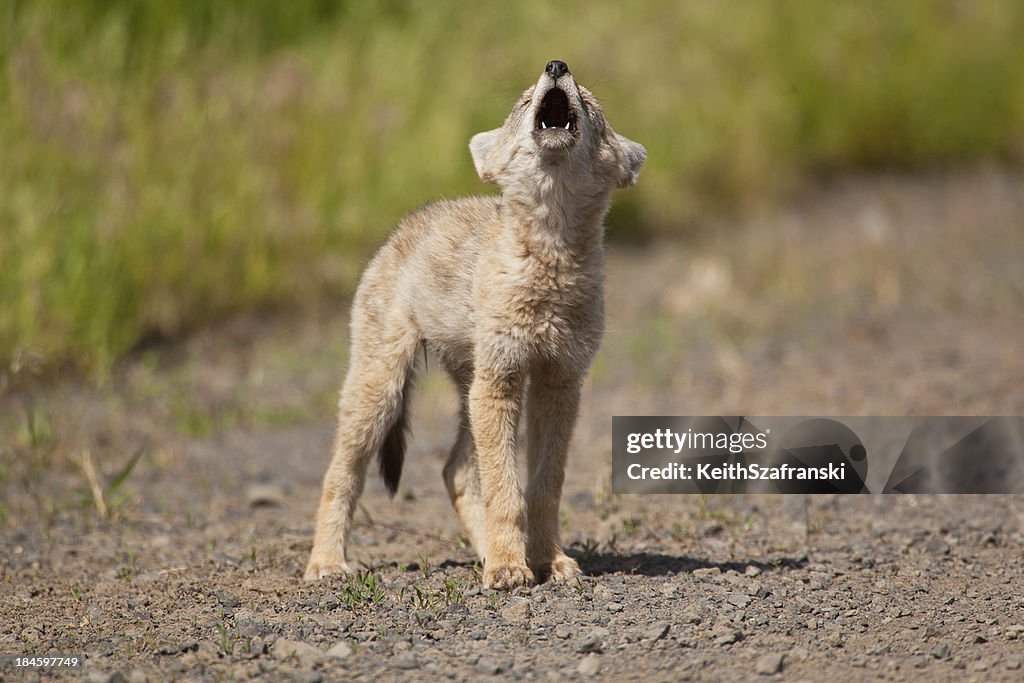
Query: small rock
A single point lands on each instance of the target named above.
(936, 546)
(614, 607)
(1014, 632)
(919, 662)
(405, 661)
(1012, 663)
(340, 650)
(690, 616)
(304, 652)
(589, 666)
(752, 571)
(706, 572)
(563, 632)
(769, 664)
(594, 642)
(248, 624)
(979, 666)
(227, 599)
(493, 667)
(940, 651)
(519, 611)
(738, 600)
(656, 631)
(178, 648)
(95, 613)
(267, 495)
(726, 638)
(456, 611)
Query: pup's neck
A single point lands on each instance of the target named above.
(557, 216)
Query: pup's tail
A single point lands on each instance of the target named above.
(392, 451)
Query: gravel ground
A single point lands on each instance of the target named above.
(188, 567)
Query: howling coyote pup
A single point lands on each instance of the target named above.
(501, 289)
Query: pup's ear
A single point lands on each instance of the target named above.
(482, 146)
(633, 157)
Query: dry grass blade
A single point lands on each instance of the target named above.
(94, 484)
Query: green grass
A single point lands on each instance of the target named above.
(165, 165)
(362, 590)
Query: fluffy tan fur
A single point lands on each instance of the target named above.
(508, 293)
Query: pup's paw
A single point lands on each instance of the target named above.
(507, 577)
(561, 568)
(564, 568)
(320, 567)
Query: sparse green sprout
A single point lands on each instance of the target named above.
(589, 547)
(228, 639)
(452, 592)
(362, 589)
(425, 566)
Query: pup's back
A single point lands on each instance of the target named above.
(427, 267)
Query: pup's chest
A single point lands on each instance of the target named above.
(547, 305)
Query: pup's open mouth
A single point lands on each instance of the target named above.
(555, 113)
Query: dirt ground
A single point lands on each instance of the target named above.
(159, 524)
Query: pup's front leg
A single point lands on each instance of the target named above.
(552, 408)
(495, 403)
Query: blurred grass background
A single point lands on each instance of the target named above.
(163, 165)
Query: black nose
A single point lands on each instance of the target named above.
(556, 68)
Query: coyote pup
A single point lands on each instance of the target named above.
(501, 289)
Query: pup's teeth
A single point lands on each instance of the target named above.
(543, 125)
(567, 125)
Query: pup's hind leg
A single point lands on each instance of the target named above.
(371, 404)
(552, 406)
(460, 472)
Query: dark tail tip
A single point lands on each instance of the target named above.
(392, 455)
(392, 451)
